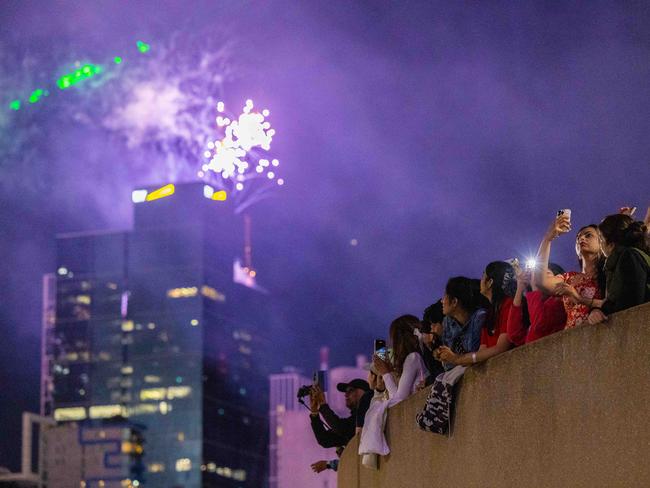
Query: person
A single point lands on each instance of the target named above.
(534, 314)
(627, 269)
(464, 318)
(372, 442)
(577, 289)
(431, 339)
(497, 286)
(402, 375)
(341, 430)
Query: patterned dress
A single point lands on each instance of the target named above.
(587, 287)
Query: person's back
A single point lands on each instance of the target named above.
(627, 268)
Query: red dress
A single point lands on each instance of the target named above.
(547, 316)
(501, 325)
(587, 287)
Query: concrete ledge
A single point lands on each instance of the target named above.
(570, 410)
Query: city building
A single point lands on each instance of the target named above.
(87, 454)
(106, 454)
(292, 446)
(158, 326)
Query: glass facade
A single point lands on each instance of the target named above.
(150, 326)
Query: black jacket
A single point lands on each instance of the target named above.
(628, 279)
(341, 429)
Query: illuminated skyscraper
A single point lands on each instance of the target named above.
(151, 325)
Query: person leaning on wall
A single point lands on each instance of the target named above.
(625, 243)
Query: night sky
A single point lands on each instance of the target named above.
(439, 135)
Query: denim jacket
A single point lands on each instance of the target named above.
(471, 339)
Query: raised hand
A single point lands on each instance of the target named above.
(560, 225)
(627, 211)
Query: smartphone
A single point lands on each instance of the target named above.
(564, 211)
(379, 344)
(383, 354)
(320, 379)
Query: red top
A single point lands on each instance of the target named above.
(500, 326)
(547, 316)
(586, 287)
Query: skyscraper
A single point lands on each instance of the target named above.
(151, 325)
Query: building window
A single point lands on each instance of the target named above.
(184, 464)
(156, 468)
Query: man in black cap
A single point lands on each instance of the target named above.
(341, 430)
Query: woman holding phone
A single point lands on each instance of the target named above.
(579, 289)
(407, 369)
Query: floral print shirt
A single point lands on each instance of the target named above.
(588, 288)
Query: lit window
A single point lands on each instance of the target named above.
(127, 325)
(212, 294)
(143, 409)
(156, 467)
(70, 413)
(181, 436)
(104, 411)
(280, 408)
(153, 394)
(184, 464)
(151, 379)
(131, 448)
(186, 292)
(279, 431)
(178, 392)
(194, 322)
(126, 369)
(164, 408)
(83, 299)
(138, 196)
(165, 191)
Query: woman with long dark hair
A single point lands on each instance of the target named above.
(406, 368)
(625, 243)
(497, 286)
(578, 289)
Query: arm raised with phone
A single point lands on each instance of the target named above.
(542, 278)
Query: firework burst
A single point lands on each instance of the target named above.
(237, 161)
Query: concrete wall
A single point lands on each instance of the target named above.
(570, 410)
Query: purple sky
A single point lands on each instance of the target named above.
(440, 135)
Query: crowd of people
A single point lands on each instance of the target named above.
(475, 320)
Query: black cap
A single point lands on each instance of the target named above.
(355, 383)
